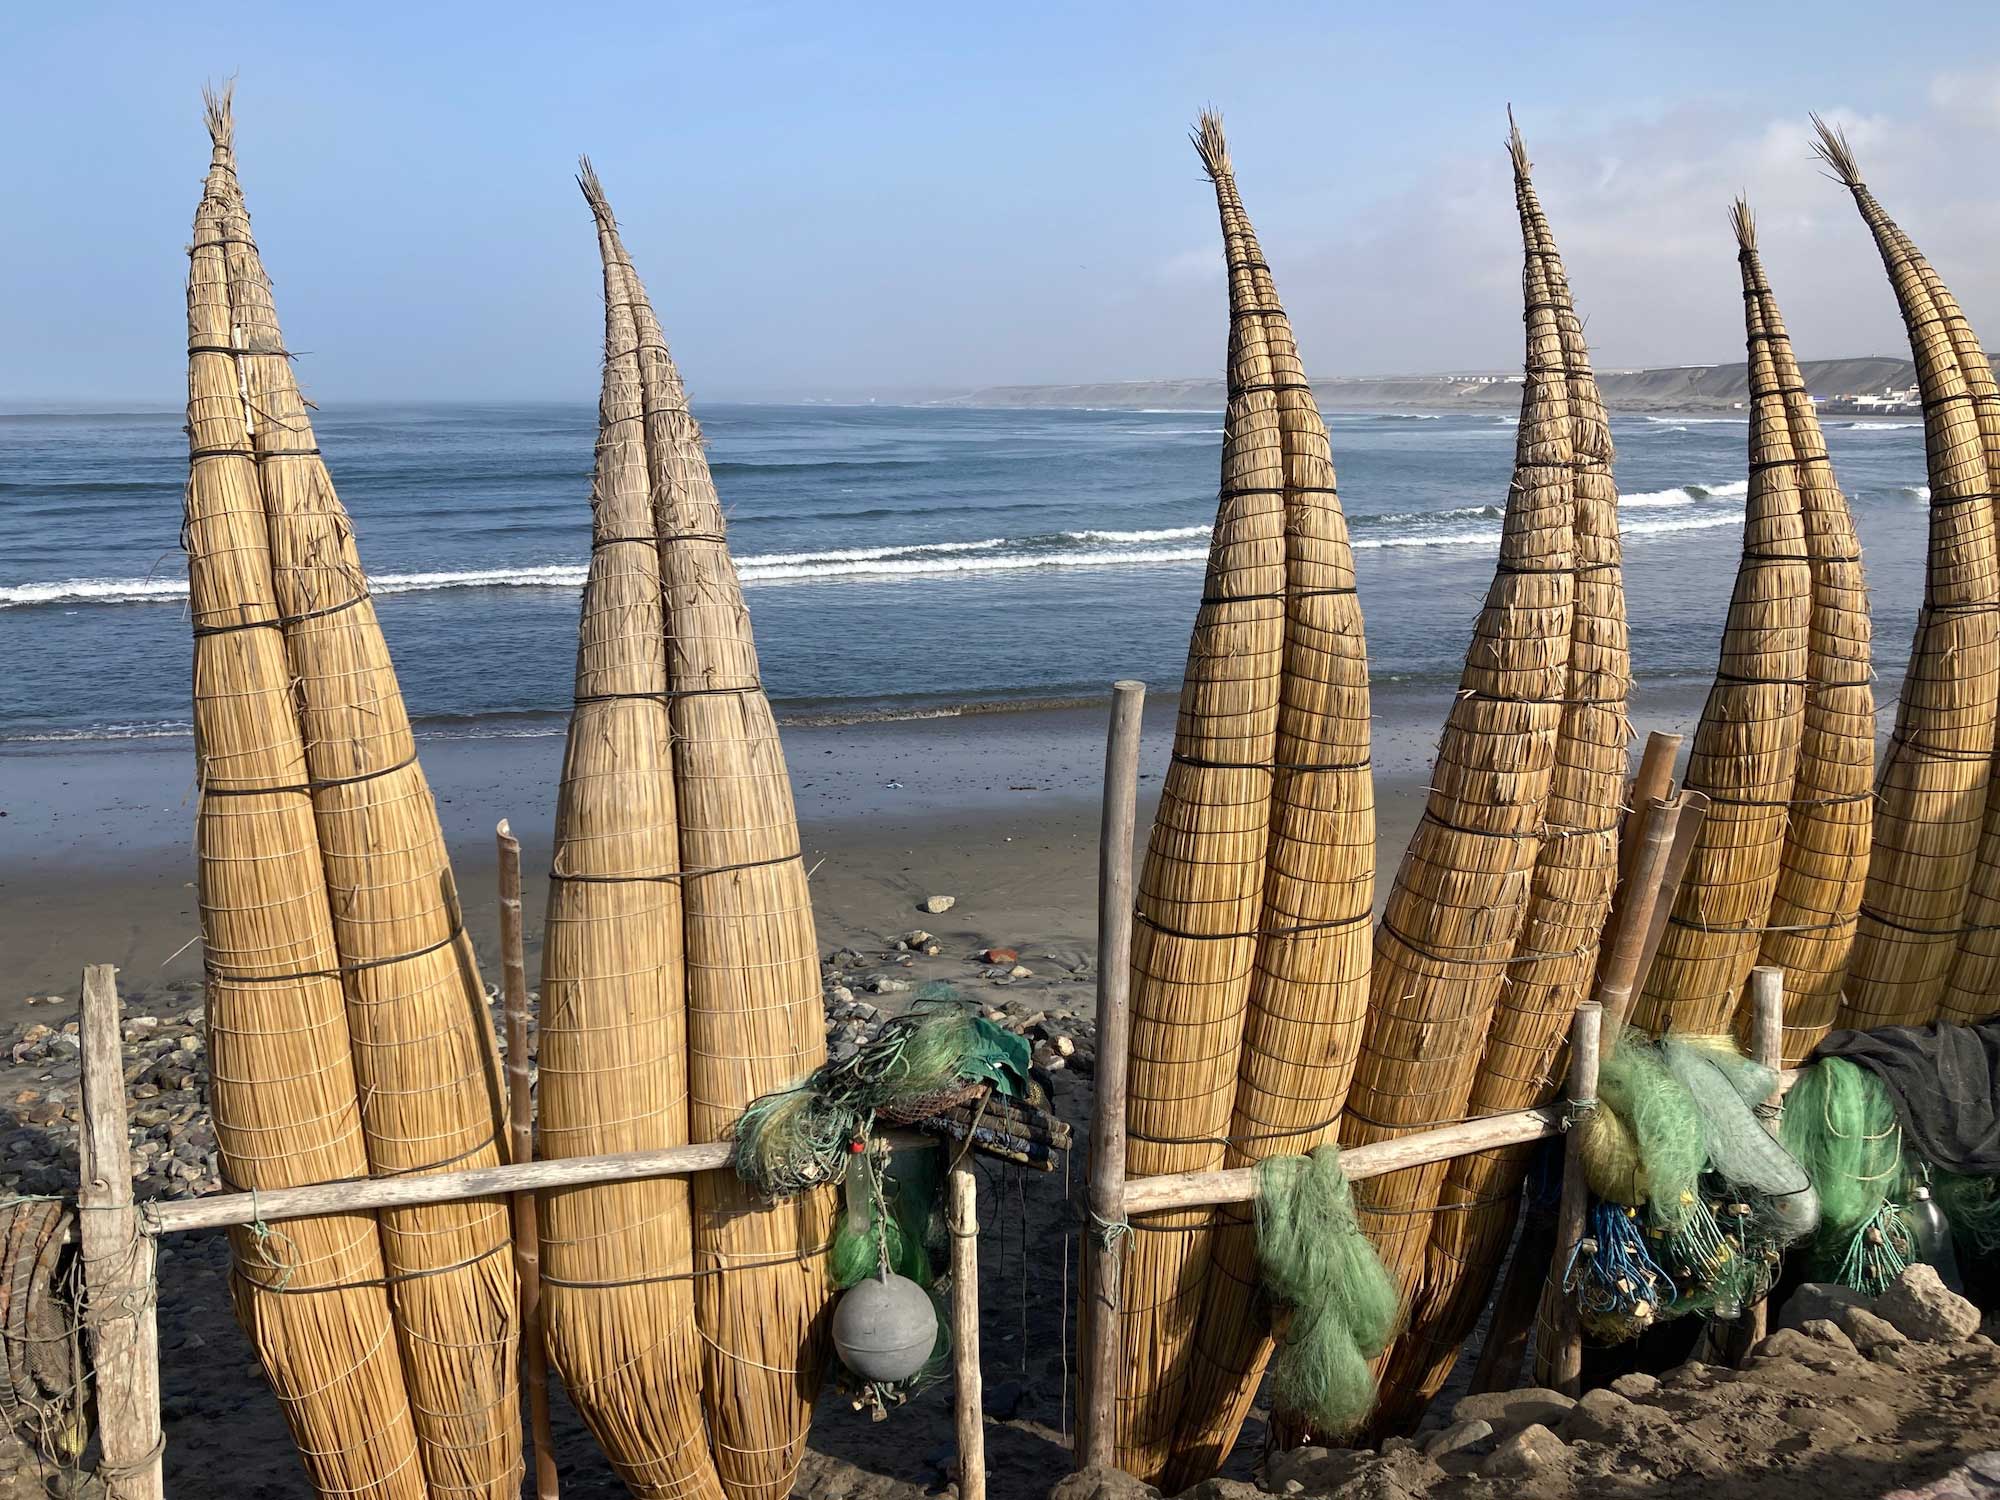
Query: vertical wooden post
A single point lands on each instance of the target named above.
(120, 1300)
(1643, 892)
(1767, 1046)
(1563, 1363)
(1097, 1415)
(962, 1219)
(521, 1148)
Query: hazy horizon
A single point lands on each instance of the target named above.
(908, 202)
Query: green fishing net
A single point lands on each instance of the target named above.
(1645, 1142)
(1841, 1125)
(1339, 1305)
(1972, 1205)
(796, 1139)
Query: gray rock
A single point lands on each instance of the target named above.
(1218, 1488)
(1458, 1437)
(1925, 1309)
(1605, 1417)
(1792, 1343)
(840, 994)
(1636, 1386)
(1869, 1332)
(1824, 1331)
(1531, 1449)
(939, 905)
(1102, 1484)
(882, 985)
(1818, 1299)
(1315, 1470)
(1020, 971)
(1510, 1411)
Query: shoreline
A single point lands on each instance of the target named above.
(999, 810)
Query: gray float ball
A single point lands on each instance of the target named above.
(885, 1328)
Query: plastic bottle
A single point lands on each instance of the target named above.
(1933, 1236)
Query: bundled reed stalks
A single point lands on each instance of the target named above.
(1824, 864)
(311, 1295)
(1746, 747)
(1201, 886)
(1575, 875)
(1931, 790)
(423, 1047)
(754, 1021)
(618, 1259)
(1309, 981)
(1457, 910)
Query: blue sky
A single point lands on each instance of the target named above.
(843, 200)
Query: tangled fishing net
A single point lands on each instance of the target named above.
(800, 1138)
(1338, 1304)
(1841, 1126)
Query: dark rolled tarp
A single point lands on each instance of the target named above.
(1944, 1081)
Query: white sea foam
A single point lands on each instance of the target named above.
(1882, 426)
(1685, 494)
(1164, 534)
(1702, 421)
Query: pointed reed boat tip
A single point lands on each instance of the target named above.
(1832, 148)
(216, 111)
(1207, 138)
(1744, 223)
(1517, 148)
(593, 190)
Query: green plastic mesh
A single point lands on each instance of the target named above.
(1972, 1204)
(1841, 1126)
(799, 1138)
(1339, 1306)
(1645, 1142)
(891, 1214)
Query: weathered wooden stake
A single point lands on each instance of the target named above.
(1097, 1416)
(1767, 1045)
(1563, 1363)
(1645, 890)
(120, 1297)
(521, 1144)
(962, 1218)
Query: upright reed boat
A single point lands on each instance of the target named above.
(1931, 867)
(281, 1092)
(617, 1259)
(1575, 874)
(1201, 888)
(1309, 974)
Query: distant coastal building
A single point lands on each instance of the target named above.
(1889, 401)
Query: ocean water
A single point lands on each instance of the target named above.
(897, 560)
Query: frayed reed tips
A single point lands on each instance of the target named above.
(1214, 150)
(1517, 148)
(1744, 223)
(1832, 148)
(215, 108)
(593, 190)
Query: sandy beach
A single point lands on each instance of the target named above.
(997, 810)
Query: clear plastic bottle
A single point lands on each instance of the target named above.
(1932, 1231)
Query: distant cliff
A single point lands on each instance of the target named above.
(1680, 388)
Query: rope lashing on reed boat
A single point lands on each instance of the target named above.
(280, 621)
(1216, 937)
(457, 932)
(316, 784)
(668, 877)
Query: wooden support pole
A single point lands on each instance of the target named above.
(521, 1141)
(969, 1404)
(1644, 892)
(1097, 1417)
(1694, 812)
(1767, 1046)
(1564, 1358)
(120, 1300)
(359, 1193)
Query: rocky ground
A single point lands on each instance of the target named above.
(1846, 1399)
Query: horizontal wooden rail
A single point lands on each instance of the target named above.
(221, 1210)
(1150, 1195)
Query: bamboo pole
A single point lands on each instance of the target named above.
(962, 1209)
(1097, 1421)
(1646, 892)
(120, 1295)
(219, 1210)
(1687, 834)
(1767, 1045)
(521, 1134)
(1564, 1359)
